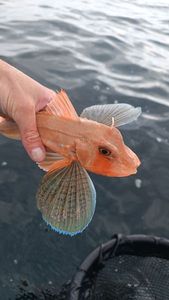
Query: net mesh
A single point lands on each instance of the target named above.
(125, 268)
(128, 277)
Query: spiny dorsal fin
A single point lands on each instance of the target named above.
(61, 106)
(112, 114)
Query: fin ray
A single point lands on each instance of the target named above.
(121, 113)
(9, 129)
(49, 160)
(66, 198)
(61, 106)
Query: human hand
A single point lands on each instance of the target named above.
(20, 98)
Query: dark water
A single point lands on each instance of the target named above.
(100, 52)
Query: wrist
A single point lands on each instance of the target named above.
(4, 68)
(4, 84)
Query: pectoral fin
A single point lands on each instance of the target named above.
(66, 199)
(50, 159)
(9, 129)
(112, 114)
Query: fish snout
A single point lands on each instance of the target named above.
(131, 161)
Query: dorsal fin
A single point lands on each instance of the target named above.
(61, 106)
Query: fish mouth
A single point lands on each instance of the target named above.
(127, 173)
(121, 170)
(131, 164)
(128, 165)
(133, 158)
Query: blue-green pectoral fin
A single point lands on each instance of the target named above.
(67, 199)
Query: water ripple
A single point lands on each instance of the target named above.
(100, 52)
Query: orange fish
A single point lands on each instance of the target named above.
(66, 196)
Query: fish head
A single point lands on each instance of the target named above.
(105, 153)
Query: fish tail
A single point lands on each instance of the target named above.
(9, 129)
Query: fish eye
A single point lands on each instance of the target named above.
(104, 151)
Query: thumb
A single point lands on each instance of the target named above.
(30, 136)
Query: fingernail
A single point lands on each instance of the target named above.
(37, 154)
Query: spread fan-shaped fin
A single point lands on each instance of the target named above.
(67, 198)
(61, 106)
(112, 114)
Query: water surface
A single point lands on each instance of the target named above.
(100, 53)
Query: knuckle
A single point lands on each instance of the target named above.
(31, 136)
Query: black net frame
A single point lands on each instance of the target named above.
(137, 245)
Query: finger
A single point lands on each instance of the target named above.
(29, 134)
(45, 98)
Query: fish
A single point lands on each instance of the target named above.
(76, 145)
